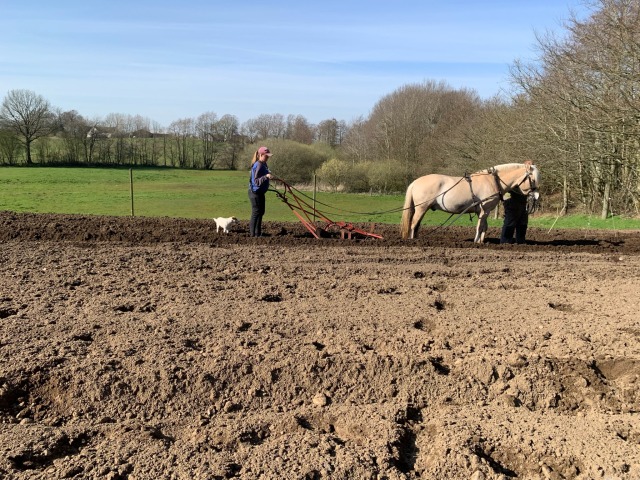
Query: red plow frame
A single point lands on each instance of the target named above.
(305, 212)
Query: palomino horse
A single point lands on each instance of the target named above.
(477, 193)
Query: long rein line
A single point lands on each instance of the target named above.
(337, 209)
(448, 223)
(333, 209)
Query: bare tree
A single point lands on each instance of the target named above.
(120, 127)
(91, 140)
(299, 129)
(228, 129)
(28, 115)
(119, 122)
(457, 111)
(74, 129)
(207, 129)
(9, 147)
(158, 141)
(182, 131)
(328, 132)
(355, 147)
(411, 124)
(586, 87)
(265, 126)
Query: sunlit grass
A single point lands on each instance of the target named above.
(163, 192)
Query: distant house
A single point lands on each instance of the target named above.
(142, 133)
(102, 132)
(98, 131)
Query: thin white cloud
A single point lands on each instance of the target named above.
(334, 59)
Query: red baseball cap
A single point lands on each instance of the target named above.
(264, 151)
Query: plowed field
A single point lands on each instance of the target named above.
(139, 348)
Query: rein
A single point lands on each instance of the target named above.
(527, 176)
(498, 180)
(446, 223)
(532, 202)
(500, 185)
(481, 207)
(474, 198)
(336, 209)
(332, 208)
(477, 201)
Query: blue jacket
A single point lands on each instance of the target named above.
(258, 181)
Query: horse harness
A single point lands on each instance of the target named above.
(493, 171)
(498, 180)
(474, 197)
(527, 176)
(532, 201)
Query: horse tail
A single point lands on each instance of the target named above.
(407, 213)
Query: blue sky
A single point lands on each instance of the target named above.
(329, 59)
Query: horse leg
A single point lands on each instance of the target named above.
(481, 229)
(483, 216)
(415, 221)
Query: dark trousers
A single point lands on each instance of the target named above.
(258, 205)
(516, 220)
(508, 231)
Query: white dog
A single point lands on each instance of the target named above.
(225, 223)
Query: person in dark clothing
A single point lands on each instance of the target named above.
(516, 218)
(258, 186)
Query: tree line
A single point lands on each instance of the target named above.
(33, 131)
(574, 111)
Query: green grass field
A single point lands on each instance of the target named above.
(159, 192)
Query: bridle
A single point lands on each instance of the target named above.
(533, 187)
(533, 196)
(528, 176)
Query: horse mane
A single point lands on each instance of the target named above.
(512, 166)
(508, 166)
(504, 166)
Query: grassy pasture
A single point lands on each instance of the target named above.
(163, 192)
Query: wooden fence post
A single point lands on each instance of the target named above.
(131, 189)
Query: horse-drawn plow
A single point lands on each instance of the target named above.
(316, 222)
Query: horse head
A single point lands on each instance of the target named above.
(530, 181)
(524, 178)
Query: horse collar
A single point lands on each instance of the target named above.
(494, 172)
(474, 198)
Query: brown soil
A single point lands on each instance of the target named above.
(140, 348)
